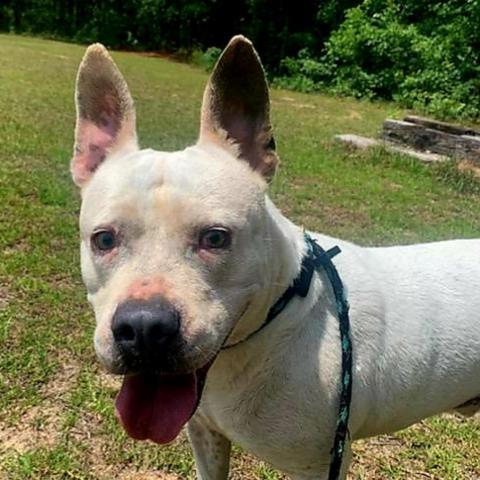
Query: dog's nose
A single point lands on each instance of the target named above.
(142, 327)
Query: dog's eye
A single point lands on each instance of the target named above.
(215, 238)
(104, 240)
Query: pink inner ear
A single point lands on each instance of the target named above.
(93, 142)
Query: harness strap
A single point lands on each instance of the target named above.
(315, 259)
(300, 287)
(323, 259)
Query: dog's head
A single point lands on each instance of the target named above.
(173, 245)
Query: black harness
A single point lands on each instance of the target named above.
(315, 259)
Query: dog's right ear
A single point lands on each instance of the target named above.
(105, 114)
(236, 107)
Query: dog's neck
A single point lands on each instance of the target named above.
(283, 258)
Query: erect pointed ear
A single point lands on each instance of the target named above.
(105, 114)
(236, 107)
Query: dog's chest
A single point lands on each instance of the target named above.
(273, 416)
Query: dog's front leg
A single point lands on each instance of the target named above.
(210, 449)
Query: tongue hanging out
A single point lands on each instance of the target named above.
(157, 407)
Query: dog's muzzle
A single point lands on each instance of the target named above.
(159, 393)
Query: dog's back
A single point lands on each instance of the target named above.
(420, 340)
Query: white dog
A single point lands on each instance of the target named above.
(183, 255)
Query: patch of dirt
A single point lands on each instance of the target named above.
(19, 247)
(370, 455)
(304, 105)
(291, 101)
(98, 458)
(112, 382)
(62, 382)
(469, 167)
(5, 295)
(143, 475)
(48, 54)
(392, 186)
(40, 425)
(354, 115)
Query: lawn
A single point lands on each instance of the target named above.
(56, 407)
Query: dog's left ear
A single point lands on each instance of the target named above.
(105, 114)
(236, 107)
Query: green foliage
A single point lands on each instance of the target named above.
(424, 56)
(279, 29)
(302, 73)
(206, 59)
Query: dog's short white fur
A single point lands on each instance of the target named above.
(415, 310)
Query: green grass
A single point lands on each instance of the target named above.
(56, 415)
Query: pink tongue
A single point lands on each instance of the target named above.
(156, 407)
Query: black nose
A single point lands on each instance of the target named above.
(142, 328)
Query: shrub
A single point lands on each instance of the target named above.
(432, 64)
(208, 59)
(303, 73)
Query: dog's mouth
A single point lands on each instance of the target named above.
(156, 407)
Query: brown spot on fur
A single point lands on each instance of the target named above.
(145, 288)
